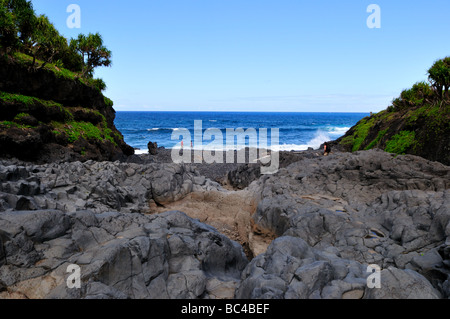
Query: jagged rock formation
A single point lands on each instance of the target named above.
(120, 256)
(352, 210)
(97, 215)
(291, 269)
(97, 186)
(332, 217)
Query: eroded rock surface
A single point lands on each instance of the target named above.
(369, 208)
(127, 226)
(120, 256)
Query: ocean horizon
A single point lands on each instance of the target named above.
(297, 131)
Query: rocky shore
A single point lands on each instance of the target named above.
(148, 228)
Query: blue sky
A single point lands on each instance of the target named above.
(260, 55)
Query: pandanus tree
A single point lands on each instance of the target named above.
(17, 20)
(94, 53)
(8, 30)
(24, 17)
(21, 30)
(439, 77)
(45, 42)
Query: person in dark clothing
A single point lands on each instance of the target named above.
(326, 149)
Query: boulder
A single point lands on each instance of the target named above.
(119, 256)
(332, 216)
(291, 269)
(98, 186)
(152, 148)
(369, 207)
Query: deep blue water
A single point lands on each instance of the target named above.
(297, 131)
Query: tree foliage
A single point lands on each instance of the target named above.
(9, 39)
(17, 20)
(22, 30)
(439, 76)
(93, 51)
(45, 42)
(23, 17)
(423, 93)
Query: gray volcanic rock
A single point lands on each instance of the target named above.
(152, 148)
(92, 214)
(242, 175)
(97, 186)
(291, 269)
(120, 255)
(333, 217)
(368, 207)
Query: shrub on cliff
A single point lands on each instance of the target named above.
(416, 123)
(421, 93)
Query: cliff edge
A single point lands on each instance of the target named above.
(417, 122)
(423, 131)
(50, 114)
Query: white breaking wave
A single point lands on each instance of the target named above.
(319, 138)
(338, 130)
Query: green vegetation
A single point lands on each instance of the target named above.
(421, 93)
(22, 31)
(71, 129)
(30, 101)
(8, 124)
(93, 52)
(401, 142)
(427, 94)
(108, 102)
(360, 134)
(60, 72)
(9, 97)
(30, 44)
(413, 121)
(9, 39)
(20, 116)
(375, 142)
(439, 76)
(432, 113)
(76, 130)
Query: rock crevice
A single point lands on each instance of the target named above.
(155, 230)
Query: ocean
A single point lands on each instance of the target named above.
(297, 131)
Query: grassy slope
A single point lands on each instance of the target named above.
(423, 131)
(68, 124)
